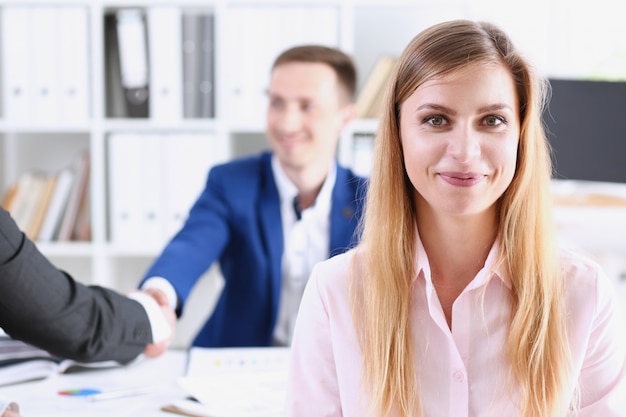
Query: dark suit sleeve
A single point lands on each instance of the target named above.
(44, 306)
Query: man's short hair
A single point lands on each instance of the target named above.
(339, 61)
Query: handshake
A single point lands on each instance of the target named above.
(162, 319)
(163, 322)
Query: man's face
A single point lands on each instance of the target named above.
(306, 112)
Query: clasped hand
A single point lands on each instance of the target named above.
(154, 350)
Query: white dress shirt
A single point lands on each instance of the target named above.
(160, 327)
(462, 371)
(305, 242)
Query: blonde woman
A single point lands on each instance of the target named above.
(457, 301)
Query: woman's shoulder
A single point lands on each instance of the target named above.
(579, 266)
(586, 283)
(333, 274)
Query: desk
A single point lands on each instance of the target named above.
(40, 398)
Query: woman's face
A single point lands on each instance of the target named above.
(460, 134)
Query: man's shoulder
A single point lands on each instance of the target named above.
(245, 163)
(244, 169)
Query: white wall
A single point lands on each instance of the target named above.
(563, 38)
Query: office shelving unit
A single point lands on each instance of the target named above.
(247, 35)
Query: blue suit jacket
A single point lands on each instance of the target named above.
(236, 221)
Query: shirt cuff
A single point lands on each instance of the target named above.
(160, 327)
(164, 285)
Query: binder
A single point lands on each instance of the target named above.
(114, 90)
(45, 64)
(125, 190)
(188, 158)
(240, 84)
(133, 55)
(191, 65)
(164, 50)
(150, 209)
(73, 64)
(269, 31)
(44, 56)
(205, 88)
(16, 33)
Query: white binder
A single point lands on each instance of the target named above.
(269, 31)
(124, 156)
(165, 52)
(149, 169)
(133, 50)
(188, 158)
(44, 62)
(73, 63)
(16, 33)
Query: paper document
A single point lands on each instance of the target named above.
(238, 382)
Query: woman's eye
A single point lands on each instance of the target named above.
(436, 120)
(494, 120)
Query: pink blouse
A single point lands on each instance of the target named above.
(463, 371)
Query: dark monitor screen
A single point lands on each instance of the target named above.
(586, 127)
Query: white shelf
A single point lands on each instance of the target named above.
(30, 144)
(66, 249)
(364, 28)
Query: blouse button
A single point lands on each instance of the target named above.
(459, 376)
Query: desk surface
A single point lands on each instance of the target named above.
(41, 398)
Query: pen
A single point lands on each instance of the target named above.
(121, 393)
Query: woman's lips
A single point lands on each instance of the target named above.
(462, 179)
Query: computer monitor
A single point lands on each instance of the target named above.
(586, 127)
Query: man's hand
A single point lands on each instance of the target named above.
(158, 295)
(156, 349)
(11, 411)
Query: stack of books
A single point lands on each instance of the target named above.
(52, 207)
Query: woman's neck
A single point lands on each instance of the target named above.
(457, 247)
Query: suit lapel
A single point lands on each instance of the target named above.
(342, 214)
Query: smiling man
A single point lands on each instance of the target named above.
(268, 218)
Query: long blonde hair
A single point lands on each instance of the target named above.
(383, 276)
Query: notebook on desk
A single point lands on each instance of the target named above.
(246, 382)
(21, 362)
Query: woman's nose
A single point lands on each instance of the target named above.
(464, 144)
